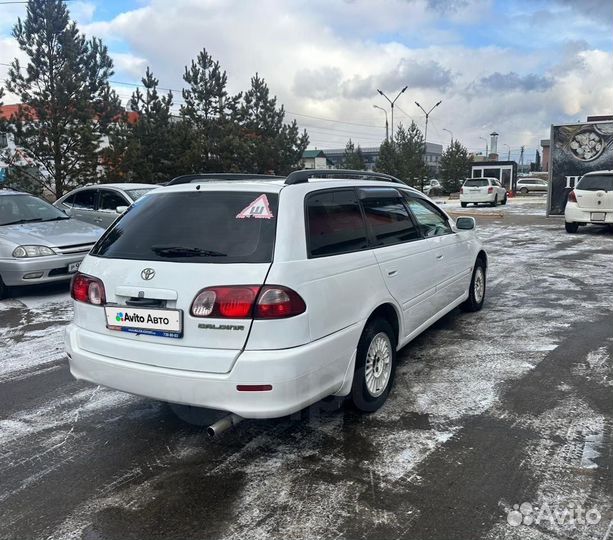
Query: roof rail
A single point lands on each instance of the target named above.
(302, 176)
(189, 178)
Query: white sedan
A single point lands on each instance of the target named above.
(591, 201)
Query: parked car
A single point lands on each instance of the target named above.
(529, 185)
(100, 204)
(39, 243)
(591, 201)
(482, 190)
(261, 297)
(433, 187)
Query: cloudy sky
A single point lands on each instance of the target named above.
(513, 66)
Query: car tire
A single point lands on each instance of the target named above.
(571, 228)
(495, 201)
(375, 366)
(3, 289)
(504, 201)
(478, 286)
(524, 191)
(463, 205)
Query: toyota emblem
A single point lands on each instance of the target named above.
(147, 274)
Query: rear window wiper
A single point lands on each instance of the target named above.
(23, 221)
(185, 251)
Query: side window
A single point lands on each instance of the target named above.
(430, 219)
(389, 221)
(110, 200)
(85, 199)
(334, 223)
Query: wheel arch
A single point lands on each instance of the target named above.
(482, 256)
(389, 312)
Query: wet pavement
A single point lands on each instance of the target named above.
(509, 406)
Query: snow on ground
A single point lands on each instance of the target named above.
(334, 473)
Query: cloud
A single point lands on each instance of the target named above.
(511, 82)
(322, 83)
(598, 10)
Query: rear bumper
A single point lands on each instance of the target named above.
(299, 376)
(53, 268)
(574, 214)
(478, 198)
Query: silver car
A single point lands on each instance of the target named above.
(100, 204)
(529, 185)
(39, 243)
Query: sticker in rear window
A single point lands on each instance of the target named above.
(259, 209)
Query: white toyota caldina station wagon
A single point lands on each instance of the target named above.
(261, 296)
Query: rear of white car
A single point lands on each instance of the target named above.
(165, 310)
(482, 191)
(591, 202)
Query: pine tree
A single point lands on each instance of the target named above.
(388, 161)
(353, 158)
(67, 105)
(273, 146)
(210, 111)
(152, 133)
(454, 167)
(411, 147)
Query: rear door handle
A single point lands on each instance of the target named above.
(440, 257)
(392, 273)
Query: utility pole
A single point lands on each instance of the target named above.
(508, 153)
(450, 133)
(386, 126)
(521, 158)
(392, 106)
(426, 132)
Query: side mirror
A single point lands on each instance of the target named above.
(121, 209)
(465, 223)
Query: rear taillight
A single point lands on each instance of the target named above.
(247, 301)
(461, 190)
(490, 190)
(87, 289)
(572, 196)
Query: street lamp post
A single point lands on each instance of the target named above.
(450, 133)
(508, 153)
(426, 132)
(392, 106)
(386, 126)
(486, 146)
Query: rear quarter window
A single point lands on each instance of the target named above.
(195, 226)
(334, 223)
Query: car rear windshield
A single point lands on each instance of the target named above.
(476, 183)
(601, 182)
(195, 226)
(136, 194)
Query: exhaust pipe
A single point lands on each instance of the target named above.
(223, 424)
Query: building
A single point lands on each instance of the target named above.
(371, 154)
(315, 159)
(546, 146)
(505, 171)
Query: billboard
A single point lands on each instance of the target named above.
(576, 149)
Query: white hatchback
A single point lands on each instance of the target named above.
(591, 201)
(482, 190)
(261, 297)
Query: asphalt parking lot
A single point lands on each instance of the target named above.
(509, 406)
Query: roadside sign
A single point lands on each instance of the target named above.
(576, 149)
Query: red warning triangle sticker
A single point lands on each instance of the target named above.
(258, 209)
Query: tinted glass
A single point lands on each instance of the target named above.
(335, 223)
(596, 183)
(476, 183)
(136, 194)
(68, 201)
(85, 200)
(431, 221)
(25, 208)
(195, 226)
(110, 200)
(389, 221)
